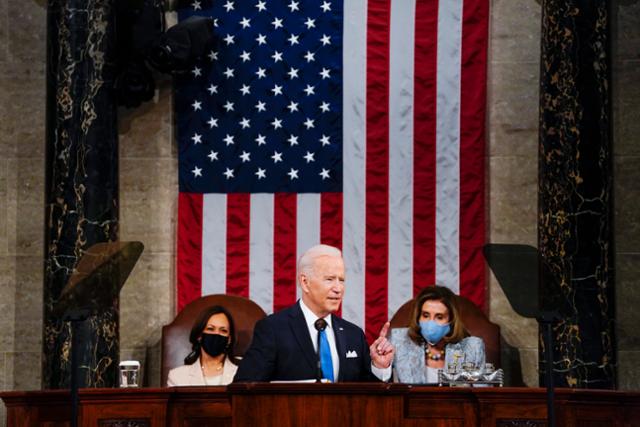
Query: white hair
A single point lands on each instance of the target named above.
(306, 261)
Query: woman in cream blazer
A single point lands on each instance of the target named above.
(211, 361)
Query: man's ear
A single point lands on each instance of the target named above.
(304, 282)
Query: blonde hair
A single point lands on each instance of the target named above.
(449, 299)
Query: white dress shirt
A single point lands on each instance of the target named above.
(309, 317)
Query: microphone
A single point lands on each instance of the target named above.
(320, 326)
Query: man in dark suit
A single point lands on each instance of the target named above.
(285, 344)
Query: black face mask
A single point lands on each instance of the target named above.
(214, 344)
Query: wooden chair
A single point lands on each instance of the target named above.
(474, 320)
(175, 336)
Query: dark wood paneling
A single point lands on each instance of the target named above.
(283, 405)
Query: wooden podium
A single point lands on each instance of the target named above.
(348, 404)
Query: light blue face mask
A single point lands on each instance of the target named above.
(433, 332)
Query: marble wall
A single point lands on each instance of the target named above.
(148, 184)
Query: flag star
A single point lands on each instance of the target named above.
(213, 155)
(310, 23)
(310, 56)
(293, 6)
(261, 140)
(293, 39)
(293, 140)
(228, 5)
(277, 23)
(245, 123)
(308, 123)
(261, 39)
(325, 40)
(246, 90)
(325, 73)
(215, 22)
(277, 90)
(261, 173)
(213, 55)
(228, 173)
(293, 174)
(309, 157)
(246, 23)
(213, 123)
(196, 5)
(228, 72)
(277, 123)
(246, 157)
(261, 106)
(229, 39)
(293, 73)
(261, 6)
(293, 106)
(196, 171)
(326, 6)
(197, 105)
(310, 90)
(196, 138)
(324, 174)
(245, 56)
(228, 106)
(228, 140)
(325, 140)
(324, 107)
(277, 56)
(277, 157)
(197, 72)
(212, 89)
(262, 73)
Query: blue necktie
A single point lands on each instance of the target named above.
(325, 357)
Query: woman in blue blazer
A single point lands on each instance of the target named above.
(435, 339)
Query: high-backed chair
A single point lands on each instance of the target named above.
(474, 320)
(175, 335)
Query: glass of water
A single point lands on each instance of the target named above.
(129, 373)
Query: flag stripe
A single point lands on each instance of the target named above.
(401, 77)
(448, 144)
(424, 198)
(472, 141)
(238, 217)
(189, 247)
(331, 219)
(214, 244)
(354, 145)
(261, 250)
(307, 225)
(377, 173)
(284, 262)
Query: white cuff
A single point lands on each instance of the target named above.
(383, 374)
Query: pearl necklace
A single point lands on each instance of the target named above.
(433, 356)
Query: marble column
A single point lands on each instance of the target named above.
(575, 187)
(81, 180)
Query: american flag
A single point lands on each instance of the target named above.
(354, 123)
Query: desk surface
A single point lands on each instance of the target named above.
(345, 404)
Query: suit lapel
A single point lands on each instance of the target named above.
(197, 377)
(338, 332)
(301, 332)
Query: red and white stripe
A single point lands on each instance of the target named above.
(412, 209)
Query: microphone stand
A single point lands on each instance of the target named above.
(320, 326)
(546, 320)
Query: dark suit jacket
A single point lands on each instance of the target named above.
(282, 350)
